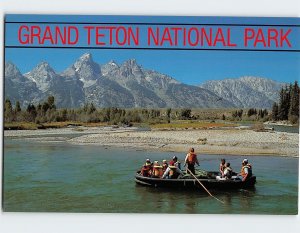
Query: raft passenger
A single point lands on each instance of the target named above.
(246, 170)
(157, 171)
(147, 168)
(228, 171)
(222, 167)
(176, 162)
(172, 171)
(164, 165)
(190, 160)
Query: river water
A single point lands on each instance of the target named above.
(60, 177)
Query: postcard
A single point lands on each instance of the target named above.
(151, 114)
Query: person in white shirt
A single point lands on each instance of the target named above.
(172, 172)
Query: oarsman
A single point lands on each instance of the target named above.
(191, 160)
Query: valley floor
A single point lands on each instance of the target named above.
(205, 141)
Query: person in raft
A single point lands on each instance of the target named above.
(190, 160)
(157, 171)
(222, 167)
(227, 171)
(164, 165)
(176, 162)
(147, 168)
(172, 171)
(246, 170)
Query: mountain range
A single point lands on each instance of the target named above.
(129, 85)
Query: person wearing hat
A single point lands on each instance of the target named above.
(147, 168)
(172, 171)
(246, 170)
(176, 162)
(157, 171)
(191, 160)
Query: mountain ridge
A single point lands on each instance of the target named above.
(126, 85)
(246, 91)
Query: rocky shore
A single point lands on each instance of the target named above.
(216, 141)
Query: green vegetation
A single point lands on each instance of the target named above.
(288, 106)
(47, 115)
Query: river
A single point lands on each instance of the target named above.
(60, 177)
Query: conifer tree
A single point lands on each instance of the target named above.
(293, 114)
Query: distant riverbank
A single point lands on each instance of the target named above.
(205, 141)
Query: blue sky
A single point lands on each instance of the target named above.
(191, 67)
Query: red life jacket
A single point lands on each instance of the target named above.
(192, 158)
(146, 170)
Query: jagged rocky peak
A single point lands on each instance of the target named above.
(43, 75)
(109, 67)
(42, 71)
(130, 67)
(113, 63)
(86, 68)
(86, 58)
(131, 63)
(11, 70)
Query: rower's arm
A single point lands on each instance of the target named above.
(185, 160)
(166, 173)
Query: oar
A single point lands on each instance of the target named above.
(204, 186)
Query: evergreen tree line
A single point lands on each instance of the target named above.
(47, 112)
(288, 106)
(286, 109)
(251, 114)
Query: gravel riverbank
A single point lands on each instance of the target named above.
(217, 141)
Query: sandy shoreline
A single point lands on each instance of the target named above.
(218, 141)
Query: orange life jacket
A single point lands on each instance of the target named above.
(191, 158)
(249, 166)
(173, 174)
(157, 171)
(172, 171)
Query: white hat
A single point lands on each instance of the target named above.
(245, 161)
